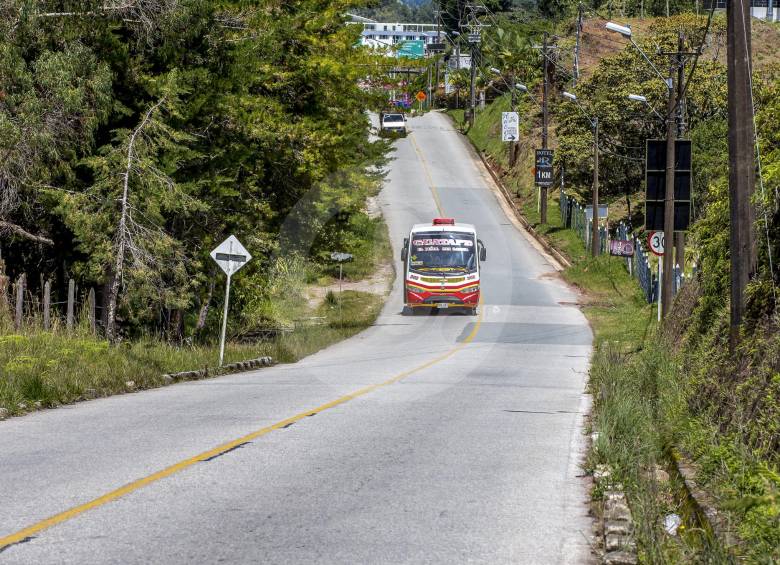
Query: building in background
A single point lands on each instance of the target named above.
(386, 35)
(761, 9)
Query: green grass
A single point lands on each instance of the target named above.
(42, 369)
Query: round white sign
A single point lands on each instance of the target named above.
(656, 242)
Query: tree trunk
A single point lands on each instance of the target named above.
(204, 309)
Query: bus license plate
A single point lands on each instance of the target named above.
(441, 305)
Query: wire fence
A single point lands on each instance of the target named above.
(574, 217)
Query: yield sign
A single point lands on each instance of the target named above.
(230, 255)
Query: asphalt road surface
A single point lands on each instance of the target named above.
(424, 439)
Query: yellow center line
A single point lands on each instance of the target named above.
(225, 447)
(427, 172)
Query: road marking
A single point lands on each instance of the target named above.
(29, 531)
(427, 172)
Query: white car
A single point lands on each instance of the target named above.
(392, 124)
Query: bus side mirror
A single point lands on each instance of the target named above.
(405, 249)
(482, 250)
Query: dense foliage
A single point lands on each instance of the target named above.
(135, 135)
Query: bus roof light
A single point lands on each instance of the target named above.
(444, 221)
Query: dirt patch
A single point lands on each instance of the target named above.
(379, 283)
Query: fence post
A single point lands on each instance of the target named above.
(91, 310)
(47, 305)
(4, 305)
(19, 314)
(71, 301)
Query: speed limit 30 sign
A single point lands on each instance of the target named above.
(655, 240)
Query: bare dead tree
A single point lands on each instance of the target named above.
(128, 230)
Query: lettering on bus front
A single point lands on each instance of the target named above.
(442, 252)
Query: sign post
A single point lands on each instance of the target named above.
(421, 97)
(230, 255)
(510, 126)
(655, 240)
(340, 258)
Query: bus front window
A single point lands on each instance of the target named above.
(442, 253)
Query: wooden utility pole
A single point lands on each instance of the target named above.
(679, 237)
(741, 159)
(543, 189)
(596, 240)
(671, 137)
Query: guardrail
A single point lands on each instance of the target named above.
(573, 217)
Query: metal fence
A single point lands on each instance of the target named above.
(573, 217)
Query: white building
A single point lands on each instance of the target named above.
(762, 9)
(383, 35)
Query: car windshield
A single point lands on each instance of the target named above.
(393, 118)
(442, 252)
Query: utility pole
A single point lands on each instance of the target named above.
(512, 108)
(475, 33)
(596, 240)
(543, 189)
(741, 159)
(438, 40)
(671, 137)
(473, 88)
(679, 237)
(457, 72)
(577, 45)
(769, 11)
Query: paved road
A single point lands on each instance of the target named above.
(468, 450)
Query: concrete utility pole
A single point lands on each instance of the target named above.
(473, 86)
(741, 159)
(769, 11)
(576, 73)
(512, 108)
(457, 72)
(543, 189)
(596, 239)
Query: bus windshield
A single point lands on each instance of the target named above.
(442, 252)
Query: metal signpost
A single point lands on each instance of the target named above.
(510, 126)
(230, 255)
(340, 258)
(655, 240)
(421, 96)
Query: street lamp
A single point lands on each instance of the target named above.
(668, 264)
(594, 124)
(625, 31)
(643, 100)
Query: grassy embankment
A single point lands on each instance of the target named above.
(46, 369)
(645, 389)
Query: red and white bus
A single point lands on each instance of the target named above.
(441, 265)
